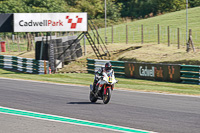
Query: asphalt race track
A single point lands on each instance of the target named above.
(145, 111)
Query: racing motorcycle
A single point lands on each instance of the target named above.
(103, 87)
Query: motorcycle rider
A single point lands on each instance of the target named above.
(99, 74)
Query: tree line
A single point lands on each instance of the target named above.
(116, 9)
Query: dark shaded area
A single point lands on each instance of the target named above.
(73, 50)
(6, 23)
(44, 52)
(82, 103)
(12, 70)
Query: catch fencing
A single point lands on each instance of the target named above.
(148, 33)
(25, 65)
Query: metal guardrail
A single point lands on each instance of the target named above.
(117, 66)
(190, 74)
(24, 64)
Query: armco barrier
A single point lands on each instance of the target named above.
(94, 65)
(190, 74)
(187, 74)
(24, 64)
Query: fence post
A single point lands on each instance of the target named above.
(29, 42)
(32, 41)
(18, 43)
(190, 42)
(16, 38)
(126, 34)
(142, 34)
(158, 34)
(4, 35)
(7, 40)
(112, 35)
(26, 38)
(168, 37)
(178, 39)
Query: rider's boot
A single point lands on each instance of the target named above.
(96, 90)
(94, 87)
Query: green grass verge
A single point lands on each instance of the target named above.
(87, 79)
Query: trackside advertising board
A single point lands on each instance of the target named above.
(47, 22)
(159, 72)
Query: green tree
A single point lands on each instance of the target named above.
(71, 2)
(12, 6)
(194, 3)
(19, 6)
(142, 8)
(136, 8)
(169, 5)
(47, 5)
(113, 10)
(94, 8)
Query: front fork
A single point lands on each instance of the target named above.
(106, 87)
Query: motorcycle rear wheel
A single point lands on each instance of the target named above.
(93, 99)
(107, 96)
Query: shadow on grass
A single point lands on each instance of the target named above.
(11, 71)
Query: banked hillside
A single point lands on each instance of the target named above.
(174, 20)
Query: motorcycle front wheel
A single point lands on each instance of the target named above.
(107, 96)
(93, 99)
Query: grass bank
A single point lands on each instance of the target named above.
(174, 20)
(87, 79)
